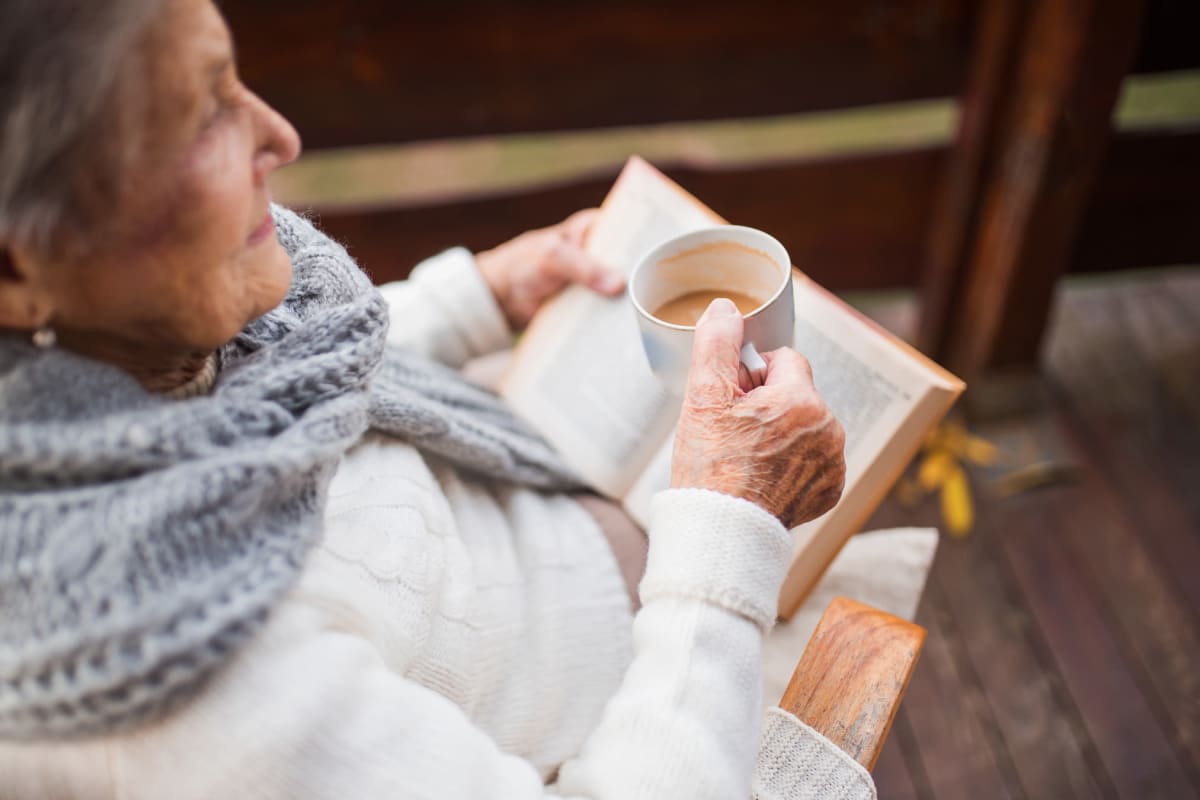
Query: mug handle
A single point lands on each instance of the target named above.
(754, 364)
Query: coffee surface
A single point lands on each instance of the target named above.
(686, 309)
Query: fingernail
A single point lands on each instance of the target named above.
(721, 307)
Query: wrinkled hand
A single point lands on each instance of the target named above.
(526, 271)
(776, 445)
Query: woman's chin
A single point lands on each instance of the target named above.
(260, 310)
(272, 282)
(265, 298)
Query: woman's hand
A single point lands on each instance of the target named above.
(523, 273)
(777, 445)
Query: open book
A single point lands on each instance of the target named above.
(580, 377)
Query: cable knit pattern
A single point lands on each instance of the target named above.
(144, 539)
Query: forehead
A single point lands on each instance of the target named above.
(185, 28)
(184, 46)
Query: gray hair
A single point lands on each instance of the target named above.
(61, 149)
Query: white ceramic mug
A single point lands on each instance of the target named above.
(729, 257)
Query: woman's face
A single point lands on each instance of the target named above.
(192, 257)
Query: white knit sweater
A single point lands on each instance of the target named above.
(451, 639)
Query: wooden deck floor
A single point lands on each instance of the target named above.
(1063, 658)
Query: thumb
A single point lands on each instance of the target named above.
(715, 353)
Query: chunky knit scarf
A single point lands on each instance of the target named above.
(143, 540)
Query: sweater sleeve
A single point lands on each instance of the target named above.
(445, 310)
(312, 712)
(796, 762)
(685, 721)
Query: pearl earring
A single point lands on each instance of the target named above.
(44, 337)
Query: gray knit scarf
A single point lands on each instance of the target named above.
(144, 540)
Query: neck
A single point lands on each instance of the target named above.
(160, 371)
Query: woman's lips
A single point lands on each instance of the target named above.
(264, 229)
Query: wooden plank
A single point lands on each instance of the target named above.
(1159, 352)
(1166, 335)
(1183, 285)
(1042, 733)
(1052, 755)
(1135, 533)
(965, 169)
(1070, 61)
(951, 723)
(1107, 648)
(1144, 207)
(1070, 607)
(1142, 442)
(1169, 36)
(852, 676)
(849, 224)
(1153, 626)
(374, 71)
(369, 71)
(893, 779)
(853, 224)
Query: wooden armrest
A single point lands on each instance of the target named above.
(852, 676)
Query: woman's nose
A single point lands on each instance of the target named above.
(278, 142)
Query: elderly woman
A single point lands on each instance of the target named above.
(255, 542)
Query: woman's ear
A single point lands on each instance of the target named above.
(23, 305)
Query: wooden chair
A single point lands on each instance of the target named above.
(849, 683)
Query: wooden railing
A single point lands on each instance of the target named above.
(1029, 187)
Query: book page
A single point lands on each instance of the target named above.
(886, 401)
(866, 387)
(579, 375)
(581, 378)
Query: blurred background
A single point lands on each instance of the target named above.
(1014, 186)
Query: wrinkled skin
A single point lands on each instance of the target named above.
(190, 257)
(776, 445)
(528, 270)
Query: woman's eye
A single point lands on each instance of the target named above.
(211, 115)
(225, 97)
